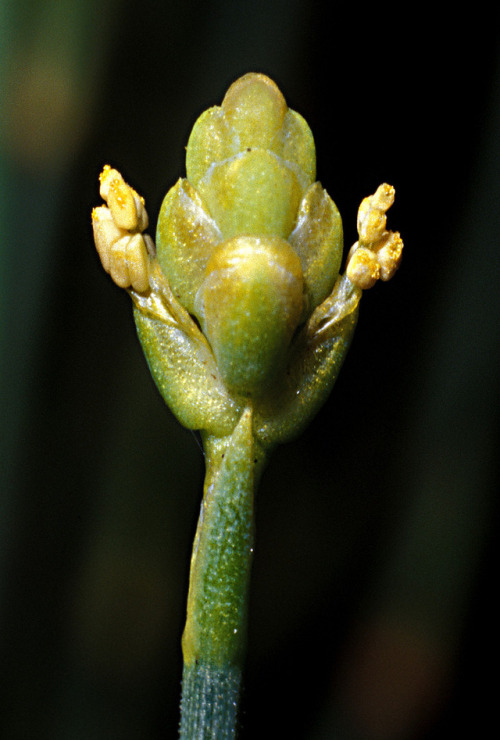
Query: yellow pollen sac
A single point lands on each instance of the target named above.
(122, 248)
(125, 204)
(371, 214)
(389, 253)
(363, 269)
(377, 254)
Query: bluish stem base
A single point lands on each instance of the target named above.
(209, 702)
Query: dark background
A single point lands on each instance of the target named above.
(375, 566)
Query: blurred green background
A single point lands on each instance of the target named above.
(375, 564)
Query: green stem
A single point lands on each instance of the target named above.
(214, 638)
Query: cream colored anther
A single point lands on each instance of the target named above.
(362, 268)
(377, 254)
(129, 263)
(124, 251)
(138, 263)
(106, 232)
(371, 214)
(124, 203)
(389, 252)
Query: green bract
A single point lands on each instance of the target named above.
(249, 243)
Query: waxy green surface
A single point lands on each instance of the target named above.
(249, 243)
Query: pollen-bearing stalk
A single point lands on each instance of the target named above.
(245, 322)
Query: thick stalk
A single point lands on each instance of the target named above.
(214, 638)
